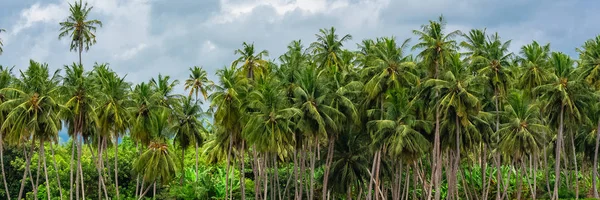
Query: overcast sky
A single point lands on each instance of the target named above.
(142, 38)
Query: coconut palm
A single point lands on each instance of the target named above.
(6, 78)
(163, 87)
(349, 168)
(79, 28)
(436, 46)
(80, 99)
(253, 64)
(156, 163)
(535, 64)
(228, 102)
(565, 96)
(328, 48)
(113, 118)
(474, 43)
(589, 54)
(524, 133)
(33, 112)
(198, 83)
(188, 127)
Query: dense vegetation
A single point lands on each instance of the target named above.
(461, 118)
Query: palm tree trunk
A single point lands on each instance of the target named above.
(595, 169)
(80, 146)
(328, 161)
(197, 172)
(116, 144)
(43, 157)
(154, 191)
(77, 167)
(137, 179)
(519, 180)
(557, 158)
(55, 169)
(295, 172)
(2, 163)
(145, 191)
(256, 171)
(302, 171)
(312, 169)
(242, 171)
(265, 174)
(576, 169)
(37, 175)
(71, 168)
(227, 166)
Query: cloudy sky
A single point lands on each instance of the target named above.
(142, 38)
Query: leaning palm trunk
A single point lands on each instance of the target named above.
(73, 142)
(27, 165)
(55, 169)
(595, 169)
(242, 173)
(116, 165)
(80, 168)
(576, 170)
(43, 157)
(557, 158)
(328, 161)
(2, 163)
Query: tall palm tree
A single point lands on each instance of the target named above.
(198, 83)
(144, 103)
(459, 106)
(436, 46)
(474, 43)
(163, 87)
(113, 118)
(589, 54)
(34, 112)
(228, 102)
(79, 28)
(565, 96)
(188, 127)
(328, 48)
(1, 44)
(535, 63)
(6, 78)
(79, 97)
(156, 163)
(524, 133)
(253, 63)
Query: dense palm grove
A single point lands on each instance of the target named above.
(460, 118)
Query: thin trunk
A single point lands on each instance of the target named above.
(576, 169)
(414, 173)
(227, 167)
(436, 167)
(197, 172)
(546, 171)
(100, 168)
(242, 171)
(349, 193)
(312, 170)
(377, 169)
(81, 170)
(302, 171)
(145, 191)
(535, 163)
(37, 175)
(2, 162)
(527, 176)
(519, 181)
(457, 155)
(43, 155)
(557, 158)
(265, 174)
(595, 169)
(116, 144)
(498, 162)
(256, 171)
(507, 182)
(154, 190)
(406, 182)
(276, 169)
(77, 174)
(55, 169)
(71, 168)
(137, 179)
(328, 161)
(296, 173)
(372, 179)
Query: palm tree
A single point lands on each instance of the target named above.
(252, 63)
(460, 107)
(156, 163)
(349, 168)
(79, 28)
(228, 102)
(79, 95)
(188, 128)
(328, 48)
(6, 78)
(436, 46)
(565, 96)
(164, 91)
(1, 30)
(399, 132)
(535, 63)
(33, 113)
(198, 83)
(474, 43)
(523, 134)
(589, 54)
(318, 115)
(112, 110)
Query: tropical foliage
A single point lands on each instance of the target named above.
(461, 117)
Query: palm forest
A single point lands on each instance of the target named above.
(446, 115)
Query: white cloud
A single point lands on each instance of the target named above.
(129, 53)
(51, 13)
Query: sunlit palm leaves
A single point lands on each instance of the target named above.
(79, 28)
(253, 63)
(328, 48)
(198, 82)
